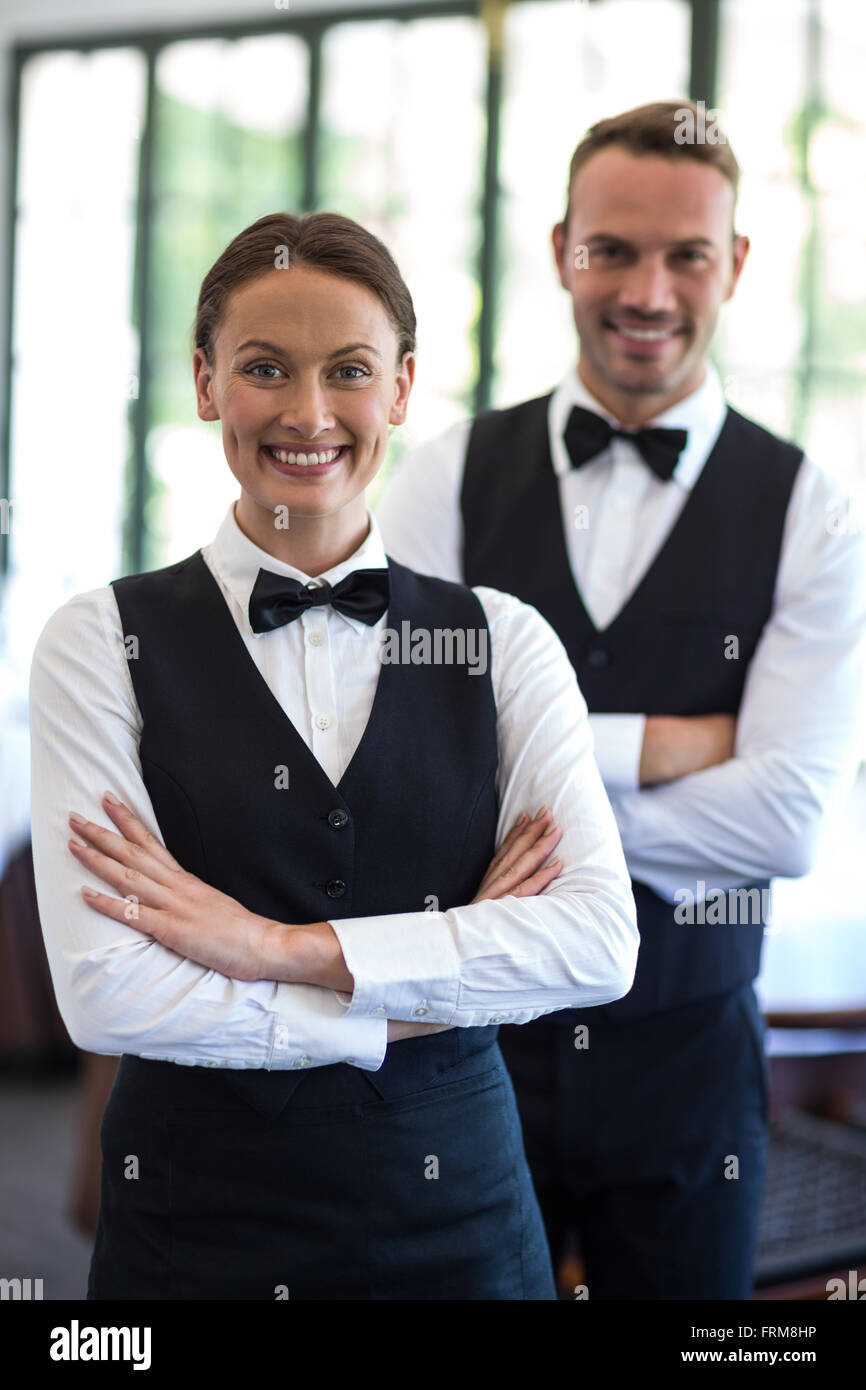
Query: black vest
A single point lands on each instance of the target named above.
(414, 815)
(669, 650)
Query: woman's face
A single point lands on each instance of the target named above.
(306, 381)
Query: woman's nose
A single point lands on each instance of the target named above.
(305, 409)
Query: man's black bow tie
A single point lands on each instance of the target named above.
(586, 434)
(276, 600)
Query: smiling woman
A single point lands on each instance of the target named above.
(300, 1037)
(282, 339)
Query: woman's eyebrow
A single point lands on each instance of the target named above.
(275, 347)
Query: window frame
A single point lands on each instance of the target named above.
(311, 29)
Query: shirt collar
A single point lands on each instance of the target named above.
(237, 561)
(702, 414)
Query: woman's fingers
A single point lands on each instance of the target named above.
(113, 869)
(134, 848)
(133, 829)
(128, 909)
(516, 829)
(522, 860)
(529, 862)
(537, 881)
(520, 839)
(133, 862)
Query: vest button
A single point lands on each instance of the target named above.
(337, 819)
(336, 888)
(598, 657)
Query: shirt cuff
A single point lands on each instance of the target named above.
(618, 745)
(326, 1034)
(405, 966)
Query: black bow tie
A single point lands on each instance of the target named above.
(276, 600)
(586, 434)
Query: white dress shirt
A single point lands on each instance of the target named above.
(506, 960)
(799, 724)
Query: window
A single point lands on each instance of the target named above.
(140, 157)
(793, 342)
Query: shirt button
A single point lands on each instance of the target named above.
(303, 1062)
(379, 1011)
(281, 1036)
(336, 888)
(350, 1061)
(213, 1064)
(496, 1018)
(312, 586)
(337, 819)
(421, 1010)
(598, 657)
(323, 721)
(316, 639)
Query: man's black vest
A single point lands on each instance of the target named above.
(681, 645)
(413, 817)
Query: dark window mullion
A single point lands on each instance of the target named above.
(14, 128)
(704, 54)
(810, 117)
(134, 548)
(312, 129)
(493, 18)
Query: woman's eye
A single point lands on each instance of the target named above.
(352, 367)
(268, 366)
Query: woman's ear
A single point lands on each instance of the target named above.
(402, 387)
(203, 387)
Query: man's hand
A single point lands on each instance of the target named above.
(398, 1029)
(674, 747)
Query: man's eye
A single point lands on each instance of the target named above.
(692, 254)
(606, 251)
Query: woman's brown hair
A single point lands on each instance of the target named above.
(321, 240)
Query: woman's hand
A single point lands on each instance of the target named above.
(516, 868)
(163, 901)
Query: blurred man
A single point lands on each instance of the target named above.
(709, 591)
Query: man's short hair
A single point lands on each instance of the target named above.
(653, 129)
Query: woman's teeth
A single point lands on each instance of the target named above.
(305, 460)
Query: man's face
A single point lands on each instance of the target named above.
(659, 260)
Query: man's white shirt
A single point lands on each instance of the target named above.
(800, 723)
(508, 960)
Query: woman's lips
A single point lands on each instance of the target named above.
(299, 463)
